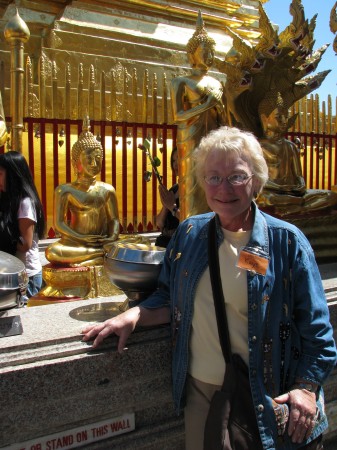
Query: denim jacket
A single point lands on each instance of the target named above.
(289, 332)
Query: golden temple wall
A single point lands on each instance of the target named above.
(81, 56)
(115, 60)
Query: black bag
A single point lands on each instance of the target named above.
(231, 410)
(162, 240)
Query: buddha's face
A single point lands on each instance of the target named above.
(90, 162)
(276, 122)
(281, 119)
(203, 56)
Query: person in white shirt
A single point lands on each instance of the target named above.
(22, 220)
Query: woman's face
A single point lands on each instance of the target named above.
(231, 203)
(2, 179)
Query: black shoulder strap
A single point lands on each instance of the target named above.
(218, 297)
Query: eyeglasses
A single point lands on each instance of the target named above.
(236, 179)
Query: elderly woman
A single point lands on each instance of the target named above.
(276, 309)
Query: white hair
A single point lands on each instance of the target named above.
(231, 140)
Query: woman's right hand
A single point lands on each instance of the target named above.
(121, 325)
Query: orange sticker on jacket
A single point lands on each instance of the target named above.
(253, 262)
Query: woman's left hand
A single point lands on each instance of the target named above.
(302, 414)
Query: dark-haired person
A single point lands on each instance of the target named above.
(168, 217)
(22, 221)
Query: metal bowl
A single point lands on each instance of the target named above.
(13, 280)
(13, 273)
(134, 268)
(9, 299)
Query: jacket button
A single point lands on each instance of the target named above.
(254, 338)
(260, 408)
(254, 306)
(265, 298)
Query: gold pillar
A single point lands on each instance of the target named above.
(16, 34)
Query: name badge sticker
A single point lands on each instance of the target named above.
(253, 259)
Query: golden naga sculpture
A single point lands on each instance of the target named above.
(86, 218)
(256, 74)
(263, 81)
(277, 63)
(3, 126)
(285, 193)
(197, 107)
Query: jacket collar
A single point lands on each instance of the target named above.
(259, 237)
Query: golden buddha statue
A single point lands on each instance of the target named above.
(91, 206)
(86, 218)
(197, 108)
(285, 192)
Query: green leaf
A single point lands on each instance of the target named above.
(156, 161)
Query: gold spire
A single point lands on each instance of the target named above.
(16, 28)
(200, 35)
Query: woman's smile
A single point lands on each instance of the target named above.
(229, 198)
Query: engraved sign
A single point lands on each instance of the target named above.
(78, 437)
